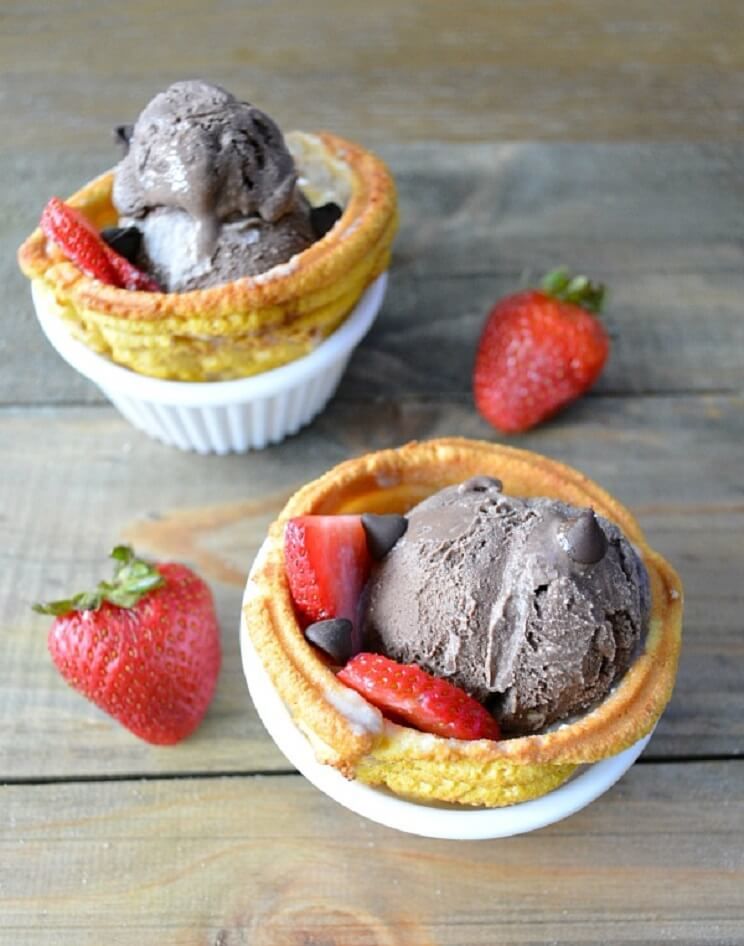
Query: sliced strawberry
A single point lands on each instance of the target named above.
(129, 276)
(411, 695)
(327, 565)
(78, 239)
(83, 245)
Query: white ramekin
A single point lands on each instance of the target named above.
(221, 416)
(451, 822)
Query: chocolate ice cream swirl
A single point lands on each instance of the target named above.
(535, 607)
(212, 185)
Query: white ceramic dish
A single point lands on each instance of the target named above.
(222, 416)
(445, 821)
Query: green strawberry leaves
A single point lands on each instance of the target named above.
(133, 577)
(563, 285)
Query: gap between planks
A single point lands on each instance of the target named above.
(454, 397)
(283, 773)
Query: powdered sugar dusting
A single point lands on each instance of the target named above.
(362, 717)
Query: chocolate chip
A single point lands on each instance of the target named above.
(382, 533)
(333, 637)
(123, 135)
(584, 540)
(481, 484)
(323, 218)
(125, 240)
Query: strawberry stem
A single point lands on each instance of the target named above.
(133, 577)
(563, 285)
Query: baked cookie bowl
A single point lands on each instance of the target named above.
(350, 734)
(250, 325)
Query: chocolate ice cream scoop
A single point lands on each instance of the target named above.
(211, 184)
(535, 607)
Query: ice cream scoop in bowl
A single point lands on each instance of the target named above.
(263, 247)
(552, 764)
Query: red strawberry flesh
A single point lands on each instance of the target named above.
(405, 692)
(129, 276)
(78, 239)
(83, 245)
(327, 565)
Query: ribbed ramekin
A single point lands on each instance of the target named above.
(222, 416)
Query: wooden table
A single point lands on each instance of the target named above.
(104, 839)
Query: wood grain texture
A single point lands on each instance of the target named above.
(420, 69)
(660, 224)
(120, 847)
(677, 461)
(272, 862)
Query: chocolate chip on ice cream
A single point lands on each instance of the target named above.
(382, 533)
(323, 218)
(533, 606)
(333, 636)
(583, 539)
(123, 135)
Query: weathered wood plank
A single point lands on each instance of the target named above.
(660, 224)
(271, 861)
(75, 480)
(418, 70)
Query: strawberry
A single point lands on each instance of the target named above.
(83, 245)
(128, 275)
(145, 647)
(327, 565)
(78, 239)
(413, 696)
(539, 350)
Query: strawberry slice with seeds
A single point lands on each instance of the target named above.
(327, 565)
(412, 696)
(78, 239)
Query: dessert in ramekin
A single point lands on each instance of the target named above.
(351, 734)
(257, 200)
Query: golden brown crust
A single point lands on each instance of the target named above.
(424, 766)
(268, 319)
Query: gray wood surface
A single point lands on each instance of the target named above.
(488, 114)
(418, 69)
(663, 430)
(270, 861)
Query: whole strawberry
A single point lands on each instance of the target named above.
(540, 349)
(144, 647)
